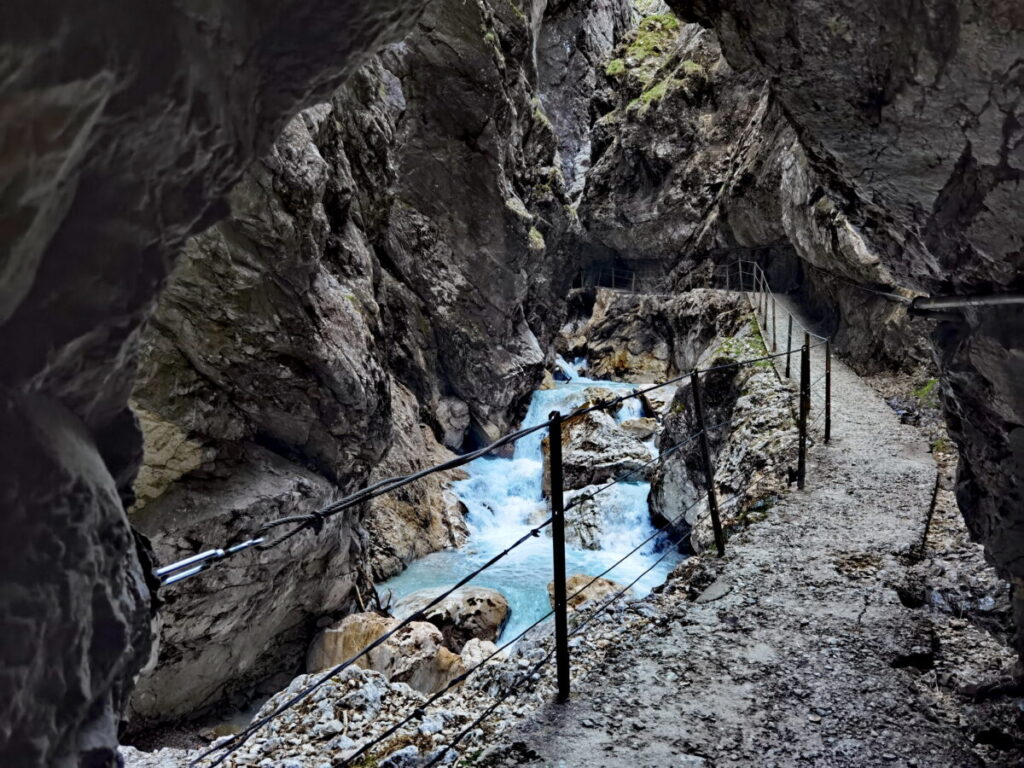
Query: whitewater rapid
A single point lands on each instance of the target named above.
(504, 499)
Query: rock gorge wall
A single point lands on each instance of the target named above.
(123, 130)
(912, 114)
(886, 152)
(696, 161)
(383, 293)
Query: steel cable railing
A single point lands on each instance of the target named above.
(603, 606)
(580, 591)
(237, 741)
(198, 563)
(764, 304)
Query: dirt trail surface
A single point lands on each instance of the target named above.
(799, 651)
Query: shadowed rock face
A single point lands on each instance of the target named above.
(914, 114)
(123, 129)
(695, 160)
(382, 294)
(575, 38)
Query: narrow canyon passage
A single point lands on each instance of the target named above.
(298, 265)
(790, 656)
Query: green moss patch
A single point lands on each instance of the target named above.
(536, 240)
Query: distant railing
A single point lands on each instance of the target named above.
(750, 278)
(616, 279)
(744, 276)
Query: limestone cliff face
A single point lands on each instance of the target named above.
(381, 296)
(124, 128)
(575, 38)
(915, 117)
(667, 125)
(424, 204)
(696, 161)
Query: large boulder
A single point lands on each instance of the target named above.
(599, 590)
(642, 428)
(476, 652)
(583, 519)
(414, 655)
(751, 458)
(466, 614)
(595, 450)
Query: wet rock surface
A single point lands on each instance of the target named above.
(752, 438)
(645, 337)
(468, 613)
(595, 450)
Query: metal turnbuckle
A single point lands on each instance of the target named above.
(190, 566)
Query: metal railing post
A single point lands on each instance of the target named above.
(764, 301)
(828, 390)
(775, 341)
(558, 556)
(698, 409)
(789, 345)
(805, 407)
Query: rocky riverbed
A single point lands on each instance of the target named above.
(429, 657)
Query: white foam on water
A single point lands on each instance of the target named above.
(504, 499)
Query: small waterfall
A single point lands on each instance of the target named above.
(571, 371)
(504, 499)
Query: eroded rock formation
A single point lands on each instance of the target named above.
(383, 294)
(468, 613)
(398, 258)
(123, 131)
(912, 116)
(753, 454)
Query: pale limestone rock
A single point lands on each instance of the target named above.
(170, 454)
(414, 655)
(641, 429)
(601, 588)
(595, 450)
(475, 651)
(468, 613)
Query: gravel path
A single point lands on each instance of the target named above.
(800, 651)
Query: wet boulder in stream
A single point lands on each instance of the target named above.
(595, 449)
(468, 613)
(415, 655)
(600, 589)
